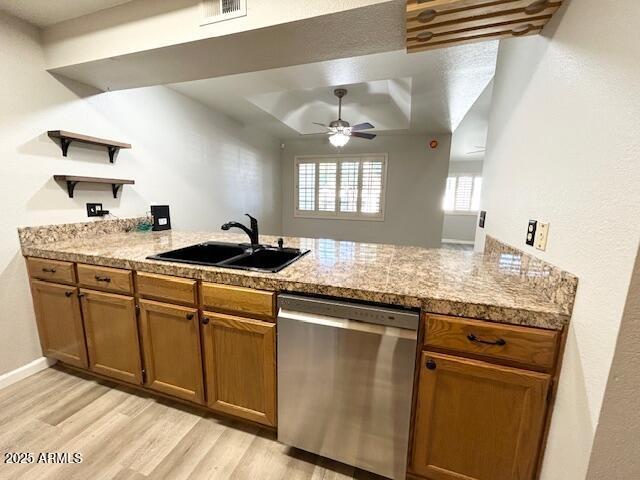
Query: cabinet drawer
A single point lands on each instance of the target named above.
(165, 288)
(239, 300)
(53, 270)
(105, 278)
(522, 345)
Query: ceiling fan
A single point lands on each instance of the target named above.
(340, 131)
(479, 149)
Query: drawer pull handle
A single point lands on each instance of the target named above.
(48, 270)
(68, 294)
(431, 364)
(500, 342)
(100, 278)
(189, 316)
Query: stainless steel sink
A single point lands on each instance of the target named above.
(233, 255)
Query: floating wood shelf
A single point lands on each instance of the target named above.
(435, 24)
(67, 137)
(116, 183)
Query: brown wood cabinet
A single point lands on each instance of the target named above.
(526, 347)
(164, 288)
(51, 270)
(171, 347)
(112, 335)
(105, 278)
(477, 421)
(240, 366)
(59, 322)
(246, 302)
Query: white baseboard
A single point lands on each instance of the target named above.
(25, 371)
(461, 242)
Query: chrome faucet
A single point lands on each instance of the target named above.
(252, 232)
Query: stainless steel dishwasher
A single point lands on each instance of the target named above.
(345, 380)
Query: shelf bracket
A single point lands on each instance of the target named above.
(64, 144)
(71, 187)
(112, 153)
(114, 188)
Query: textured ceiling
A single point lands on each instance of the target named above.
(469, 139)
(437, 90)
(48, 12)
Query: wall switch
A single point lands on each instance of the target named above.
(482, 219)
(531, 232)
(542, 233)
(94, 210)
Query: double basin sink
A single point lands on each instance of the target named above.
(234, 255)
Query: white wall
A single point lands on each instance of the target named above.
(616, 446)
(461, 226)
(205, 166)
(415, 186)
(563, 147)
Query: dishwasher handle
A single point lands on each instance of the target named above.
(350, 311)
(346, 324)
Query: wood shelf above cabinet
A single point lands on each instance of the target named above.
(445, 23)
(67, 137)
(72, 181)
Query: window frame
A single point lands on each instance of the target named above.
(473, 185)
(338, 159)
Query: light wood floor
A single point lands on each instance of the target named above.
(126, 435)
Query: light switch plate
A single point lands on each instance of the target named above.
(542, 233)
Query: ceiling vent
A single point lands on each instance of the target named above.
(219, 10)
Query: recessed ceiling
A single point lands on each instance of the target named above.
(423, 92)
(47, 12)
(469, 139)
(384, 103)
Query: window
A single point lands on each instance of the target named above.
(462, 194)
(341, 186)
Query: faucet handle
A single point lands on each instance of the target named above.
(280, 243)
(254, 222)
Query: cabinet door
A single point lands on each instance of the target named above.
(59, 322)
(112, 335)
(171, 347)
(240, 366)
(477, 421)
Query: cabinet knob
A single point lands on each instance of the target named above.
(431, 364)
(205, 320)
(68, 294)
(189, 316)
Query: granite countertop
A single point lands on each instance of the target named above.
(499, 285)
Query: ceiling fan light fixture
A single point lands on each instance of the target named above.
(339, 139)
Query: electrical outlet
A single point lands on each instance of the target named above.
(542, 233)
(531, 232)
(94, 210)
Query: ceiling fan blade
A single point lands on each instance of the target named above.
(362, 126)
(321, 124)
(368, 136)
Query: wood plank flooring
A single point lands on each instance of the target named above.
(123, 434)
